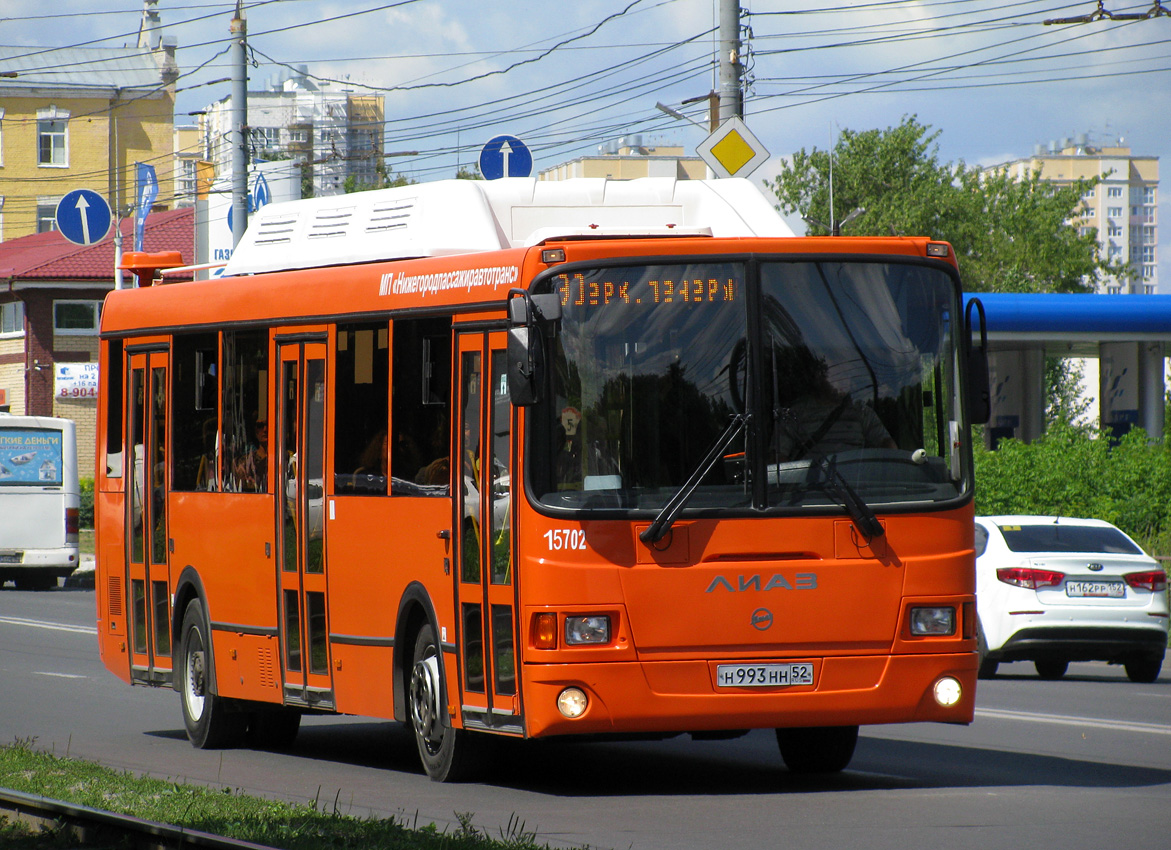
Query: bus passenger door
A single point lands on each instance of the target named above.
(300, 462)
(149, 579)
(485, 591)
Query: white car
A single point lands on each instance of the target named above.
(1052, 590)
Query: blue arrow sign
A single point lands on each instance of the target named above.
(505, 156)
(83, 217)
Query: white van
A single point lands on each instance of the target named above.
(39, 500)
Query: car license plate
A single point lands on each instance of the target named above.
(11, 557)
(764, 675)
(1102, 589)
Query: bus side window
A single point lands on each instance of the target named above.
(420, 450)
(195, 412)
(361, 387)
(115, 408)
(243, 436)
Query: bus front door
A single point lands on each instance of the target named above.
(147, 561)
(485, 589)
(301, 523)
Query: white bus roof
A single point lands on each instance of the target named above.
(468, 216)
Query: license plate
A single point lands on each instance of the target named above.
(1103, 589)
(11, 557)
(764, 675)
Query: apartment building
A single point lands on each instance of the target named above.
(336, 135)
(1122, 208)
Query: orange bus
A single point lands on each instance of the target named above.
(535, 459)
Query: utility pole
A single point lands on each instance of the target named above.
(731, 71)
(238, 134)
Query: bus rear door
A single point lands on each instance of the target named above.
(300, 462)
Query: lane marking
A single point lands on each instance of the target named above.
(42, 624)
(58, 675)
(1065, 720)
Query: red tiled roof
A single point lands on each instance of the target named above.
(50, 256)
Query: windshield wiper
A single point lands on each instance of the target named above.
(837, 486)
(662, 523)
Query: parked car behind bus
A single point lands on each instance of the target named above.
(39, 500)
(1052, 590)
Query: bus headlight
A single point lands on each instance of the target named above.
(585, 630)
(948, 691)
(572, 702)
(933, 621)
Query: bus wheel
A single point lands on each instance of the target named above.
(210, 723)
(823, 749)
(444, 751)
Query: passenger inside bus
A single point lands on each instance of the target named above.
(251, 468)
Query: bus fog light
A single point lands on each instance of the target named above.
(948, 691)
(579, 630)
(933, 621)
(572, 702)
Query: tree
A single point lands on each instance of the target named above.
(1009, 235)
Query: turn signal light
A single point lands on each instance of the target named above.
(544, 632)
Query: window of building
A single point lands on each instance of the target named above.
(265, 138)
(12, 318)
(76, 318)
(1089, 193)
(1148, 289)
(52, 137)
(46, 214)
(1114, 289)
(1148, 253)
(298, 137)
(1114, 191)
(1115, 252)
(1148, 192)
(1148, 272)
(1149, 233)
(1114, 212)
(1114, 230)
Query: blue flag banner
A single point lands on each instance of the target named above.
(147, 191)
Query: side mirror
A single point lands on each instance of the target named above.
(531, 318)
(979, 386)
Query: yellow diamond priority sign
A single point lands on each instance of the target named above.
(732, 150)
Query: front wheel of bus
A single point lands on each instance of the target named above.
(826, 749)
(210, 724)
(444, 751)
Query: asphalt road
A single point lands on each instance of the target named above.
(1084, 762)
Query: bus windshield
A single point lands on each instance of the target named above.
(827, 375)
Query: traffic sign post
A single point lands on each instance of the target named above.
(505, 156)
(83, 217)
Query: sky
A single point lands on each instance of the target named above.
(991, 76)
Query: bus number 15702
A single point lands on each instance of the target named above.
(565, 538)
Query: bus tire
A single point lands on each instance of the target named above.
(210, 721)
(445, 752)
(822, 749)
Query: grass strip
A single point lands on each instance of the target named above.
(225, 812)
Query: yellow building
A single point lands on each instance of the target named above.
(1122, 208)
(628, 159)
(80, 118)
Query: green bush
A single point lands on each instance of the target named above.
(1069, 472)
(86, 513)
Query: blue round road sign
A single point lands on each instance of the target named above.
(83, 217)
(505, 156)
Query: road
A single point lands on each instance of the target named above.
(1084, 762)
